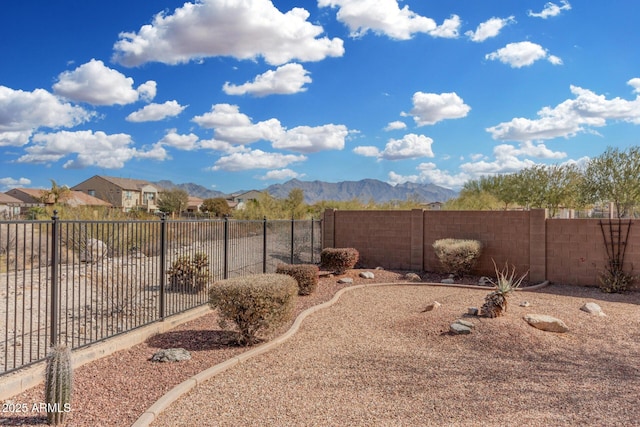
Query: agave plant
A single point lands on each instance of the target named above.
(495, 304)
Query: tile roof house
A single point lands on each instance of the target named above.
(9, 206)
(30, 197)
(123, 193)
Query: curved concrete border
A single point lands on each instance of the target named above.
(175, 393)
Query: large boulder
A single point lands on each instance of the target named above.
(546, 323)
(94, 251)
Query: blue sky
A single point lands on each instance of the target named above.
(241, 94)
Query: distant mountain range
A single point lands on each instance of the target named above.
(315, 191)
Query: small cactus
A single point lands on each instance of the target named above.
(58, 384)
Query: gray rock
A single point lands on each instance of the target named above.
(94, 250)
(366, 275)
(466, 323)
(473, 311)
(345, 280)
(525, 304)
(484, 281)
(171, 355)
(592, 308)
(448, 281)
(433, 306)
(546, 323)
(459, 329)
(412, 277)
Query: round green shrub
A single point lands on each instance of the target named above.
(457, 256)
(339, 260)
(305, 274)
(254, 303)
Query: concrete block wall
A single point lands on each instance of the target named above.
(566, 251)
(576, 251)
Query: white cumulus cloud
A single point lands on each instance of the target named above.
(242, 29)
(522, 54)
(256, 159)
(307, 139)
(90, 149)
(156, 112)
(285, 80)
(21, 113)
(570, 117)
(490, 28)
(551, 9)
(97, 84)
(280, 175)
(234, 127)
(387, 18)
(396, 125)
(183, 142)
(9, 183)
(411, 146)
(431, 108)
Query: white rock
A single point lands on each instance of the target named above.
(346, 280)
(366, 275)
(546, 323)
(592, 308)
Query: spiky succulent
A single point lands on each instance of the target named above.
(495, 304)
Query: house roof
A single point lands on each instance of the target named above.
(27, 195)
(78, 198)
(74, 198)
(126, 183)
(5, 199)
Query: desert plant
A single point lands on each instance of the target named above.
(58, 384)
(254, 303)
(339, 260)
(189, 274)
(614, 279)
(495, 304)
(457, 256)
(305, 274)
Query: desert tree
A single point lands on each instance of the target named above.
(217, 206)
(173, 201)
(614, 177)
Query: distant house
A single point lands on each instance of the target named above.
(434, 206)
(9, 206)
(239, 200)
(122, 193)
(35, 197)
(194, 204)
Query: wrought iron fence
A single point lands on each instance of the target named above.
(79, 282)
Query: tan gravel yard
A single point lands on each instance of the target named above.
(376, 358)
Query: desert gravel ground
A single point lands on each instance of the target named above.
(377, 358)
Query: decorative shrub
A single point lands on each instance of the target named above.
(495, 304)
(305, 274)
(189, 274)
(58, 384)
(339, 260)
(254, 303)
(457, 256)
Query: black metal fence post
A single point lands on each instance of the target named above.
(226, 247)
(264, 244)
(292, 242)
(53, 339)
(163, 262)
(312, 247)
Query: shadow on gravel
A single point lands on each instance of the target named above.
(194, 340)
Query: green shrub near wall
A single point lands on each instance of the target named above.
(339, 260)
(305, 274)
(255, 303)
